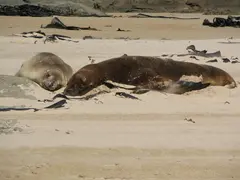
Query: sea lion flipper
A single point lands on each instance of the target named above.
(181, 87)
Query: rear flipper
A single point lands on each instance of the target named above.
(181, 87)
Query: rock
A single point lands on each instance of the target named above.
(17, 87)
(43, 10)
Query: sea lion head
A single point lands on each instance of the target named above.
(84, 81)
(51, 80)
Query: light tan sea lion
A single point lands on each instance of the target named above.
(146, 72)
(46, 69)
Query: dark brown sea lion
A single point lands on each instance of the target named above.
(146, 72)
(46, 69)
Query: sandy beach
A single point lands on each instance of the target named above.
(114, 138)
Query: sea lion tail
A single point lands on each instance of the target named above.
(181, 87)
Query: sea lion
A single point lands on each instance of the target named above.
(146, 72)
(46, 69)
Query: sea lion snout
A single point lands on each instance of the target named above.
(83, 81)
(78, 85)
(51, 83)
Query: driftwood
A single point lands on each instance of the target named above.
(122, 30)
(56, 105)
(203, 53)
(40, 35)
(212, 61)
(230, 21)
(58, 24)
(126, 95)
(85, 98)
(141, 15)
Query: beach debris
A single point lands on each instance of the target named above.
(56, 105)
(165, 55)
(97, 101)
(194, 57)
(126, 95)
(92, 61)
(234, 58)
(235, 61)
(122, 30)
(226, 60)
(212, 61)
(127, 38)
(56, 23)
(140, 91)
(85, 98)
(47, 38)
(69, 132)
(50, 38)
(189, 120)
(230, 21)
(226, 102)
(32, 34)
(81, 176)
(141, 15)
(90, 37)
(192, 51)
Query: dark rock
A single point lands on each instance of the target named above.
(49, 10)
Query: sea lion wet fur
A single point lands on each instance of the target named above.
(46, 69)
(145, 72)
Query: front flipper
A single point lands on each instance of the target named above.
(181, 87)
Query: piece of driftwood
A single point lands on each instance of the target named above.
(55, 37)
(32, 34)
(192, 51)
(230, 21)
(212, 61)
(122, 30)
(126, 95)
(141, 15)
(56, 105)
(56, 23)
(48, 38)
(85, 98)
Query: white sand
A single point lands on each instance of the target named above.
(123, 138)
